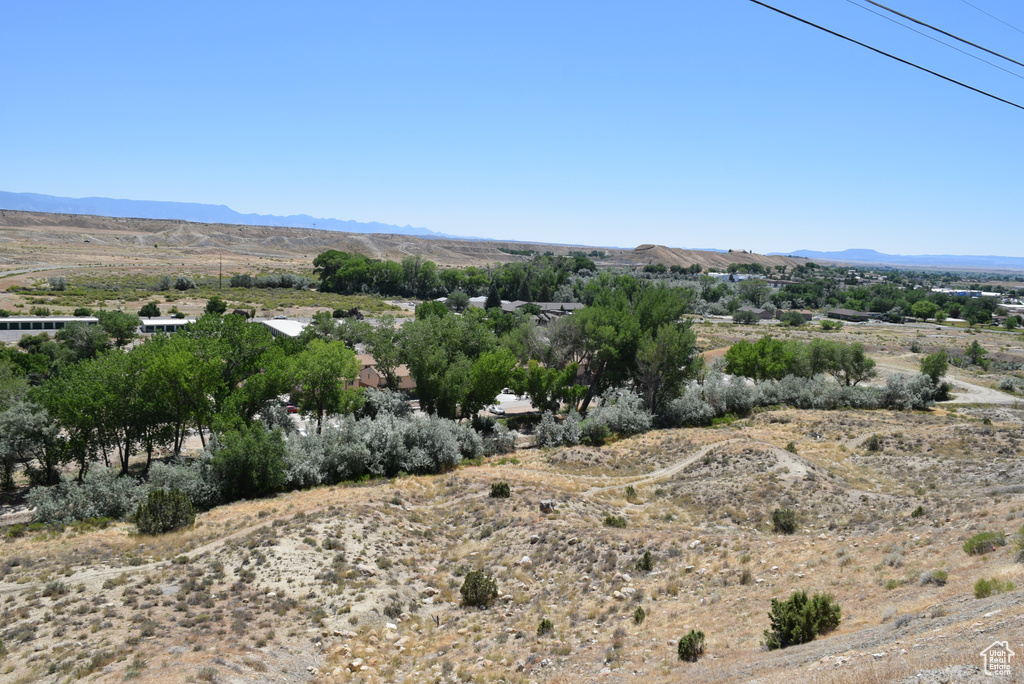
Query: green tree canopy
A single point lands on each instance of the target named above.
(321, 372)
(122, 327)
(935, 365)
(149, 310)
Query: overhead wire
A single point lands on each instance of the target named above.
(945, 33)
(987, 14)
(941, 42)
(886, 54)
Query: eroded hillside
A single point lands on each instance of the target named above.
(362, 582)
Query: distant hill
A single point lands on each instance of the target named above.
(31, 240)
(870, 256)
(195, 213)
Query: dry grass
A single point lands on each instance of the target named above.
(311, 579)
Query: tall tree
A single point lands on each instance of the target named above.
(450, 359)
(664, 361)
(321, 372)
(122, 327)
(384, 345)
(82, 340)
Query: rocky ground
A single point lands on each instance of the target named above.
(361, 583)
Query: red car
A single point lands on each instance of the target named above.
(291, 408)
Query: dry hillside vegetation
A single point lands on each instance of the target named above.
(30, 240)
(361, 583)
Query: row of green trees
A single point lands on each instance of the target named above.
(113, 405)
(774, 359)
(536, 280)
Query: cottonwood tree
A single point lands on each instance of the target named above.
(545, 386)
(122, 327)
(935, 365)
(320, 373)
(30, 439)
(82, 340)
(854, 365)
(383, 344)
(456, 363)
(665, 360)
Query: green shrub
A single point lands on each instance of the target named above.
(215, 305)
(873, 443)
(792, 318)
(164, 511)
(936, 577)
(639, 615)
(614, 520)
(500, 490)
(183, 282)
(630, 493)
(917, 512)
(984, 588)
(82, 311)
(478, 589)
(984, 542)
(645, 563)
(544, 627)
(149, 310)
(594, 433)
(791, 447)
(784, 521)
(799, 619)
(691, 646)
(250, 463)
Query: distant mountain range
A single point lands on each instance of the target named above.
(221, 214)
(870, 256)
(198, 213)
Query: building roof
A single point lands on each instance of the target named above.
(286, 327)
(64, 319)
(167, 320)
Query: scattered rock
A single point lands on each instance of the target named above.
(547, 506)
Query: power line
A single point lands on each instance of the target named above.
(941, 42)
(993, 16)
(886, 54)
(945, 33)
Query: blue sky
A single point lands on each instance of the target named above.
(694, 124)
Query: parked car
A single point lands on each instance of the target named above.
(496, 410)
(291, 408)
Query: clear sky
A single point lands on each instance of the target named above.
(713, 123)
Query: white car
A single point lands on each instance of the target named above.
(496, 410)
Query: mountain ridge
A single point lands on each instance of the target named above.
(871, 256)
(196, 213)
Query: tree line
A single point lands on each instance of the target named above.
(536, 280)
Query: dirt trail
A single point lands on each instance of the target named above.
(661, 473)
(966, 392)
